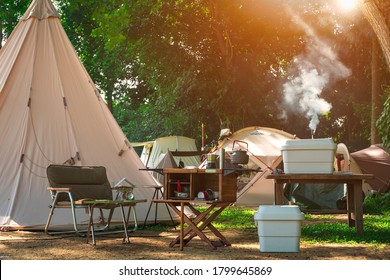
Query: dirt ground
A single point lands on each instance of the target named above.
(152, 245)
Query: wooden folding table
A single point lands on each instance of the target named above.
(354, 190)
(196, 225)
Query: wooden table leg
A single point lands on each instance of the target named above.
(193, 229)
(358, 206)
(355, 206)
(191, 226)
(206, 222)
(200, 216)
(198, 231)
(351, 205)
(181, 225)
(180, 213)
(278, 193)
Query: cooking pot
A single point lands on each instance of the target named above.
(239, 156)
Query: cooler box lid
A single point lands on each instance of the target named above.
(278, 212)
(309, 144)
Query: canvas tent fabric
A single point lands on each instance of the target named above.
(167, 162)
(317, 196)
(51, 112)
(154, 151)
(374, 160)
(264, 150)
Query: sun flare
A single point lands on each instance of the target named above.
(347, 5)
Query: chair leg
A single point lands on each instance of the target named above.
(76, 229)
(52, 206)
(91, 228)
(169, 212)
(49, 218)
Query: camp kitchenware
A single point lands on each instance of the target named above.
(239, 156)
(202, 195)
(181, 194)
(211, 158)
(206, 195)
(221, 158)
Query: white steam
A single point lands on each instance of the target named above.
(309, 74)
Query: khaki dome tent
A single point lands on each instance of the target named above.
(153, 152)
(51, 112)
(264, 149)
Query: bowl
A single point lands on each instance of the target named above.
(182, 194)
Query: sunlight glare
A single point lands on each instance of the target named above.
(347, 5)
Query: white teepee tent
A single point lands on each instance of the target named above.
(51, 112)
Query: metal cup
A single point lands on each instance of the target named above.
(221, 158)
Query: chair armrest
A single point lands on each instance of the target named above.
(106, 201)
(60, 189)
(123, 188)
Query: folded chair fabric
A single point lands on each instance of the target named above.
(87, 187)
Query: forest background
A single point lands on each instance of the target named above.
(170, 67)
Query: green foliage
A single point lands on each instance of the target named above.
(377, 204)
(222, 63)
(10, 13)
(166, 67)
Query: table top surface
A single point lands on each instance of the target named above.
(333, 176)
(190, 201)
(200, 170)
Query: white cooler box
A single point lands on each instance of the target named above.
(279, 227)
(311, 156)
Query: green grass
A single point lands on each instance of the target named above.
(320, 229)
(376, 230)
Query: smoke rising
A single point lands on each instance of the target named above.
(309, 74)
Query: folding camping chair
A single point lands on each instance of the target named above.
(86, 187)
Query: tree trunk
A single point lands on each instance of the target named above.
(375, 90)
(222, 35)
(109, 100)
(378, 23)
